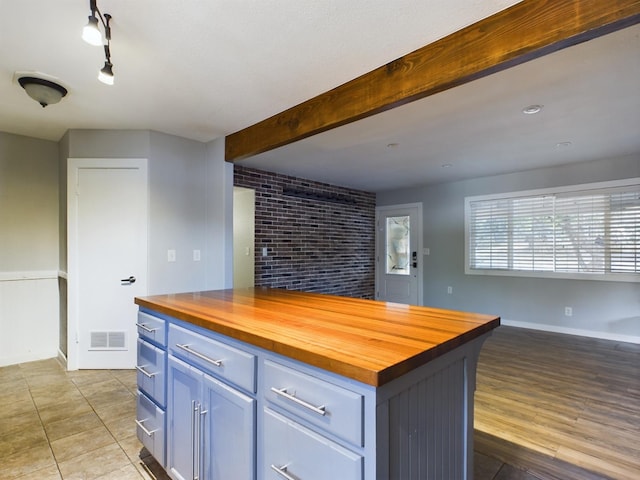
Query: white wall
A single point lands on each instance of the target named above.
(28, 249)
(601, 309)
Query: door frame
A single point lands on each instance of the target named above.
(73, 264)
(420, 271)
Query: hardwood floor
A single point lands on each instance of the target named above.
(559, 406)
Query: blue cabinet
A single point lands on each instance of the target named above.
(211, 426)
(212, 407)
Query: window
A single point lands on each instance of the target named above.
(586, 231)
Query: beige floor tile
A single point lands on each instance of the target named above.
(110, 397)
(122, 427)
(72, 426)
(10, 373)
(128, 472)
(128, 378)
(48, 473)
(97, 388)
(59, 411)
(25, 462)
(22, 440)
(16, 423)
(133, 448)
(15, 403)
(13, 385)
(83, 378)
(126, 408)
(94, 464)
(57, 396)
(79, 444)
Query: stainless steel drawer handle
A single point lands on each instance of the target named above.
(321, 410)
(144, 429)
(141, 369)
(282, 471)
(187, 348)
(144, 327)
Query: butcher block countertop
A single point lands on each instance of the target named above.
(369, 341)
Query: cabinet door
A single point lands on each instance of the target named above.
(183, 397)
(229, 444)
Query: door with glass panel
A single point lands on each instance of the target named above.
(399, 254)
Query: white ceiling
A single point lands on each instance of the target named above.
(202, 69)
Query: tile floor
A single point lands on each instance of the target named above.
(80, 425)
(70, 425)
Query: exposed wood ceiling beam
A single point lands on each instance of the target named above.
(525, 31)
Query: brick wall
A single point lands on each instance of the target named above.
(320, 238)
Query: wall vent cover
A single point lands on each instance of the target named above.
(108, 341)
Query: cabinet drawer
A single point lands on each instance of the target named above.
(304, 454)
(150, 427)
(152, 328)
(150, 368)
(221, 360)
(338, 410)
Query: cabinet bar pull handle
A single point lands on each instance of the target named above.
(144, 429)
(144, 327)
(144, 372)
(282, 471)
(321, 410)
(187, 348)
(194, 439)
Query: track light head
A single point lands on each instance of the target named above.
(91, 33)
(105, 75)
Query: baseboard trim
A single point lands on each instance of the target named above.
(616, 337)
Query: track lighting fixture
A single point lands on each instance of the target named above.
(92, 35)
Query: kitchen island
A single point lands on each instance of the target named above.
(276, 384)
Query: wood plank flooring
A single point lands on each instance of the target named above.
(559, 406)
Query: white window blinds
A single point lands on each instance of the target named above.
(592, 231)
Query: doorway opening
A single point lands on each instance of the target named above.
(244, 238)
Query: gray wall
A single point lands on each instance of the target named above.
(28, 204)
(179, 210)
(610, 309)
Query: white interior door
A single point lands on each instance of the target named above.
(107, 259)
(399, 254)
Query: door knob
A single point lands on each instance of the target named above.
(128, 281)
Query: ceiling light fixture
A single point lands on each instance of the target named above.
(42, 91)
(92, 35)
(532, 109)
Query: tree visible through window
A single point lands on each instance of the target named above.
(595, 231)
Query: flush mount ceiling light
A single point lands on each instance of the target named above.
(45, 92)
(532, 109)
(92, 35)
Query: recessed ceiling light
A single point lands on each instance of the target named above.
(532, 109)
(447, 165)
(563, 144)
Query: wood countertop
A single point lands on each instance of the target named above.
(369, 341)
